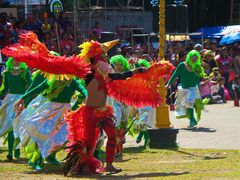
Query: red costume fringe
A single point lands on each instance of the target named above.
(141, 90)
(83, 132)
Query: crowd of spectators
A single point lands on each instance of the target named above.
(221, 63)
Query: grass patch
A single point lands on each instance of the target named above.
(139, 163)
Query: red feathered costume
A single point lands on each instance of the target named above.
(138, 90)
(83, 130)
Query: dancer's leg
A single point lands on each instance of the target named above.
(10, 145)
(192, 119)
(109, 129)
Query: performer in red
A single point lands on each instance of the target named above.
(139, 90)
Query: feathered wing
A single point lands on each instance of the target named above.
(35, 54)
(141, 90)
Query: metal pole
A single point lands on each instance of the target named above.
(239, 13)
(25, 8)
(105, 15)
(162, 112)
(148, 44)
(143, 5)
(89, 16)
(75, 19)
(231, 12)
(128, 12)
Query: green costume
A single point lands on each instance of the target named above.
(15, 81)
(143, 121)
(55, 102)
(188, 96)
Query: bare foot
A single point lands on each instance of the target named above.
(112, 170)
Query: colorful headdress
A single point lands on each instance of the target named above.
(23, 66)
(122, 60)
(10, 66)
(108, 45)
(94, 49)
(208, 52)
(143, 62)
(197, 66)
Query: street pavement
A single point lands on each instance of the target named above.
(219, 128)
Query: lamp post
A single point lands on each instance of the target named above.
(164, 136)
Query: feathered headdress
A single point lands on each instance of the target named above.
(122, 60)
(196, 66)
(94, 49)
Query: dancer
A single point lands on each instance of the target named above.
(43, 119)
(145, 120)
(96, 114)
(84, 123)
(121, 111)
(188, 96)
(16, 80)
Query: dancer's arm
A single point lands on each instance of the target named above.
(125, 75)
(80, 88)
(175, 74)
(83, 94)
(35, 91)
(28, 78)
(23, 102)
(4, 87)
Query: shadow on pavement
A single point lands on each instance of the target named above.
(204, 157)
(200, 129)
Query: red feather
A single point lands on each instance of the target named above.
(36, 55)
(141, 90)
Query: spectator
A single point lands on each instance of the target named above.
(236, 87)
(224, 62)
(236, 63)
(47, 40)
(205, 90)
(6, 31)
(30, 24)
(64, 22)
(208, 58)
(96, 31)
(199, 48)
(66, 44)
(215, 75)
(46, 26)
(222, 91)
(53, 46)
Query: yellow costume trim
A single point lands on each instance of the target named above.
(59, 77)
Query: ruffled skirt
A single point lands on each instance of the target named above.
(43, 121)
(7, 113)
(185, 99)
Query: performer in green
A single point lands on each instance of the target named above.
(188, 96)
(16, 79)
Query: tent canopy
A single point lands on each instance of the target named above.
(216, 32)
